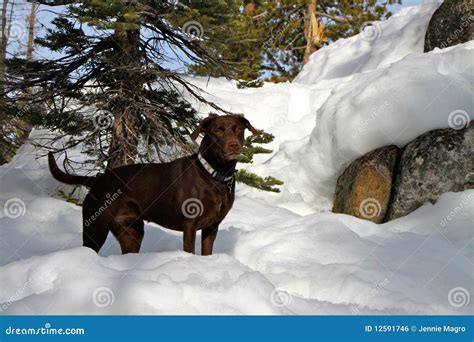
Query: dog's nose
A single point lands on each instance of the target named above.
(234, 146)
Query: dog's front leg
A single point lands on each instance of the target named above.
(207, 239)
(189, 239)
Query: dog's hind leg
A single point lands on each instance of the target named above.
(94, 225)
(189, 239)
(207, 239)
(129, 231)
(93, 236)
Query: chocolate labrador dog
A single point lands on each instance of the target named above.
(188, 194)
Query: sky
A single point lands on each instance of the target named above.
(406, 3)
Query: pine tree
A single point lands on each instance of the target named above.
(109, 86)
(309, 24)
(232, 37)
(268, 183)
(273, 39)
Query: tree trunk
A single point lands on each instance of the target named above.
(313, 32)
(13, 131)
(125, 136)
(9, 23)
(31, 31)
(3, 47)
(123, 146)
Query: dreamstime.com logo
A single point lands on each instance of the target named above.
(103, 296)
(280, 298)
(458, 119)
(458, 297)
(17, 31)
(47, 329)
(103, 119)
(370, 30)
(14, 208)
(192, 208)
(370, 208)
(193, 30)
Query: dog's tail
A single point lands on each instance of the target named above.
(64, 177)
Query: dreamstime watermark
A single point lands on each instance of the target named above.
(280, 298)
(465, 201)
(373, 292)
(103, 119)
(17, 31)
(193, 30)
(370, 208)
(192, 208)
(370, 30)
(47, 329)
(16, 296)
(465, 24)
(458, 119)
(277, 34)
(103, 296)
(14, 208)
(458, 297)
(373, 116)
(110, 198)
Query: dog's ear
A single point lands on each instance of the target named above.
(248, 125)
(202, 126)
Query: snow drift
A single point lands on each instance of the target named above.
(352, 97)
(275, 253)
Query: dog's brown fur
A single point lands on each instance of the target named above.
(122, 198)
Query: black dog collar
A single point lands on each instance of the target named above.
(222, 177)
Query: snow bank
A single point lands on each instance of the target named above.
(79, 281)
(365, 111)
(378, 46)
(352, 97)
(269, 259)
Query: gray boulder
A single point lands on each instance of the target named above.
(363, 190)
(434, 163)
(451, 24)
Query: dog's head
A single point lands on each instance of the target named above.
(226, 133)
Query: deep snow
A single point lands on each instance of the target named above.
(275, 253)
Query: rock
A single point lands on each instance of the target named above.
(363, 189)
(451, 24)
(434, 163)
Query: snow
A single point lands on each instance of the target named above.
(275, 253)
(319, 264)
(322, 123)
(379, 45)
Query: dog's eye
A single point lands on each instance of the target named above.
(219, 130)
(236, 129)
